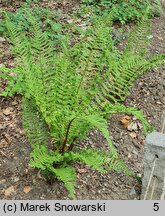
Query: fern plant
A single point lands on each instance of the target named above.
(117, 69)
(55, 105)
(65, 94)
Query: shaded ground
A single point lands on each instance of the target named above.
(19, 181)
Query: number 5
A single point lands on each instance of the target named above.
(156, 207)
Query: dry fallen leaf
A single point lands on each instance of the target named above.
(133, 134)
(9, 191)
(2, 153)
(132, 127)
(160, 38)
(12, 74)
(6, 137)
(27, 189)
(14, 103)
(139, 125)
(125, 121)
(81, 171)
(129, 155)
(7, 111)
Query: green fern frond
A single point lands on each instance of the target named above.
(67, 175)
(18, 40)
(101, 161)
(120, 108)
(92, 157)
(117, 165)
(35, 127)
(45, 160)
(138, 38)
(101, 124)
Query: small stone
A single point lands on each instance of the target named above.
(135, 152)
(158, 102)
(116, 144)
(116, 184)
(105, 184)
(132, 192)
(42, 196)
(15, 179)
(70, 21)
(139, 175)
(2, 183)
(2, 39)
(90, 142)
(134, 118)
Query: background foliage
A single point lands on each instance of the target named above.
(126, 10)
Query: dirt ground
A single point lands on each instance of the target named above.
(19, 181)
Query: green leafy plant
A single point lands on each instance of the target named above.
(67, 93)
(13, 82)
(48, 19)
(55, 105)
(126, 10)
